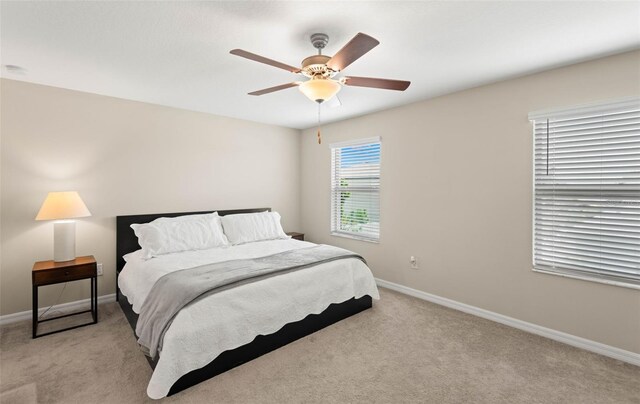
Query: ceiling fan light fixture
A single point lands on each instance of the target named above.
(320, 90)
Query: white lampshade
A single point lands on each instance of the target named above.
(62, 205)
(320, 90)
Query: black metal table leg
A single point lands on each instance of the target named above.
(34, 298)
(95, 299)
(93, 308)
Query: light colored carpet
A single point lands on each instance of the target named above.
(25, 394)
(404, 350)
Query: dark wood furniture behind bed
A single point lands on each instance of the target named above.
(296, 236)
(126, 242)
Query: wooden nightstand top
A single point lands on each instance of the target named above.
(296, 235)
(50, 264)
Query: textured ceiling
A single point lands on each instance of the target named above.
(177, 53)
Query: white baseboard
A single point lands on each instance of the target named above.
(578, 342)
(63, 308)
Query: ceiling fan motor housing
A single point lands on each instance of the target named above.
(315, 66)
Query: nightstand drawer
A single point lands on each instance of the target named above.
(64, 274)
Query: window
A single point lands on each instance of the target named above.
(587, 192)
(355, 189)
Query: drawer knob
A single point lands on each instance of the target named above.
(66, 273)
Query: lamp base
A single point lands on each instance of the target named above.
(64, 240)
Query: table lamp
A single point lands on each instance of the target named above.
(62, 206)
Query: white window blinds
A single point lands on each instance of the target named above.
(587, 192)
(355, 189)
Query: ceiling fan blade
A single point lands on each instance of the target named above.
(352, 51)
(387, 84)
(276, 88)
(262, 59)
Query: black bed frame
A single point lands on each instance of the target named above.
(126, 242)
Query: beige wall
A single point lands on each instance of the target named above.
(456, 193)
(124, 157)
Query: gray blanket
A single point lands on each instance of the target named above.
(175, 290)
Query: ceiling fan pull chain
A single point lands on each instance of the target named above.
(319, 136)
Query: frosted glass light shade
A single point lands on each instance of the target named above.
(320, 90)
(62, 205)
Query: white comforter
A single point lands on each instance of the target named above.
(234, 317)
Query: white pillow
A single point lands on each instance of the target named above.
(249, 227)
(183, 233)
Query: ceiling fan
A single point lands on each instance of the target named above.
(320, 69)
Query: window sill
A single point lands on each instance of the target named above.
(354, 237)
(585, 277)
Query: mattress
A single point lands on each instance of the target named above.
(234, 317)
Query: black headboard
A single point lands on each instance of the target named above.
(126, 240)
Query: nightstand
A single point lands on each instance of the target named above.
(51, 273)
(297, 236)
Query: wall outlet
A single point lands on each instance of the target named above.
(413, 261)
(100, 273)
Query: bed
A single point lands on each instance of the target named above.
(219, 332)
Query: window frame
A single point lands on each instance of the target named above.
(334, 217)
(602, 107)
